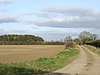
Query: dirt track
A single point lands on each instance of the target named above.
(88, 63)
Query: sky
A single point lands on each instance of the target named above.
(50, 19)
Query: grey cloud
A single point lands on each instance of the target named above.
(69, 18)
(15, 31)
(3, 10)
(6, 1)
(71, 11)
(60, 33)
(2, 31)
(7, 19)
(18, 31)
(95, 31)
(51, 35)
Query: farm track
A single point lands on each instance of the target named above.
(88, 63)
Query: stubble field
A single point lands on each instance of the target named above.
(20, 53)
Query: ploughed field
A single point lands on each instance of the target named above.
(20, 53)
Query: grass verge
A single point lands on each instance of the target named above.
(41, 65)
(93, 49)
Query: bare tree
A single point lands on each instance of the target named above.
(87, 36)
(68, 42)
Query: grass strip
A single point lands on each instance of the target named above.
(93, 49)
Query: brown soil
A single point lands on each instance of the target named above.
(20, 53)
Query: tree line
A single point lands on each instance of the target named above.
(26, 40)
(88, 38)
(95, 43)
(83, 38)
(20, 39)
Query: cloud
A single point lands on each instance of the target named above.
(68, 18)
(13, 31)
(3, 11)
(60, 33)
(6, 1)
(70, 11)
(7, 19)
(2, 31)
(18, 31)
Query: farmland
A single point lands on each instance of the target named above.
(20, 53)
(41, 65)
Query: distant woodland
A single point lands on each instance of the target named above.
(26, 40)
(20, 39)
(89, 39)
(83, 38)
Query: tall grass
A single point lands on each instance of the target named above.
(41, 65)
(93, 49)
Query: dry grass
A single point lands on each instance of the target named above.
(20, 53)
